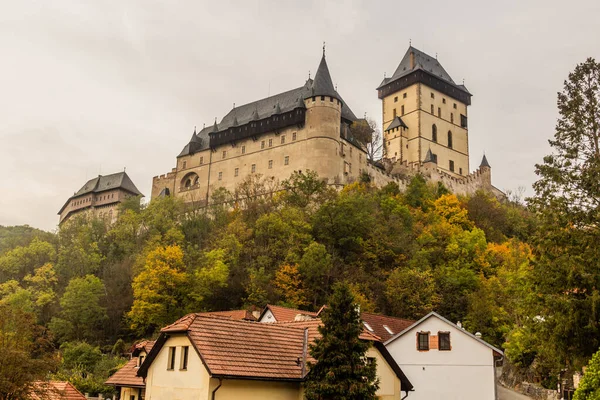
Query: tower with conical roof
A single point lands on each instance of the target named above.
(431, 109)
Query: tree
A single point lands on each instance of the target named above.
(342, 370)
(82, 312)
(25, 353)
(303, 189)
(211, 275)
(159, 290)
(366, 134)
(411, 293)
(288, 284)
(567, 203)
(589, 387)
(20, 261)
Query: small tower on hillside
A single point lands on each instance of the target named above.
(486, 171)
(434, 110)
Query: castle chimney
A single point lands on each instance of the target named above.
(412, 59)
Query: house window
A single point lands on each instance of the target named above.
(396, 99)
(449, 139)
(220, 175)
(394, 113)
(443, 100)
(270, 142)
(451, 165)
(423, 341)
(286, 160)
(224, 154)
(270, 164)
(401, 110)
(404, 96)
(253, 168)
(439, 112)
(243, 149)
(171, 360)
(283, 139)
(455, 106)
(262, 144)
(432, 109)
(444, 341)
(184, 357)
(432, 95)
(201, 160)
(236, 172)
(434, 133)
(294, 136)
(184, 164)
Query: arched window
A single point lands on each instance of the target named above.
(449, 139)
(434, 133)
(190, 181)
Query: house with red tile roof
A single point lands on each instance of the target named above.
(126, 381)
(55, 390)
(203, 356)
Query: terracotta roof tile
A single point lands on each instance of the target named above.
(287, 314)
(56, 390)
(379, 322)
(233, 314)
(127, 375)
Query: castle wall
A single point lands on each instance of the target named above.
(102, 205)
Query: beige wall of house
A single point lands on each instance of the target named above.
(423, 107)
(127, 392)
(177, 384)
(316, 146)
(232, 389)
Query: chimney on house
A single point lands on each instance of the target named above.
(412, 59)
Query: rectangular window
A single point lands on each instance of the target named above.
(262, 144)
(286, 160)
(283, 139)
(236, 172)
(171, 360)
(270, 142)
(434, 158)
(402, 110)
(439, 112)
(443, 100)
(314, 98)
(396, 99)
(423, 341)
(455, 106)
(463, 121)
(243, 149)
(451, 165)
(452, 117)
(132, 397)
(201, 160)
(460, 171)
(404, 96)
(432, 95)
(394, 113)
(294, 136)
(220, 176)
(253, 168)
(331, 99)
(270, 164)
(432, 108)
(184, 357)
(322, 98)
(184, 164)
(444, 341)
(224, 154)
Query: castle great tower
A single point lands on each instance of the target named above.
(424, 109)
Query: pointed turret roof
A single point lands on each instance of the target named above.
(429, 157)
(322, 84)
(194, 145)
(484, 162)
(277, 109)
(396, 122)
(215, 126)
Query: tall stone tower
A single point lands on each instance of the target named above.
(424, 109)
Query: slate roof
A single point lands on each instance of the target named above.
(428, 157)
(423, 61)
(321, 85)
(484, 162)
(396, 122)
(56, 390)
(378, 323)
(102, 183)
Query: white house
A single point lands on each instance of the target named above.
(444, 361)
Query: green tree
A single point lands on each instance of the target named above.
(20, 261)
(315, 270)
(411, 293)
(210, 276)
(82, 311)
(341, 370)
(589, 387)
(288, 284)
(567, 202)
(159, 291)
(25, 353)
(79, 251)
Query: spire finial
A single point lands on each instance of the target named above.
(384, 75)
(436, 55)
(194, 129)
(233, 105)
(336, 87)
(463, 81)
(410, 42)
(365, 115)
(309, 74)
(323, 49)
(203, 125)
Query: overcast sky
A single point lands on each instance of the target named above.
(90, 87)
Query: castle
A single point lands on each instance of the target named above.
(424, 116)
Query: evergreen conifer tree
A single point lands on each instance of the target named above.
(342, 371)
